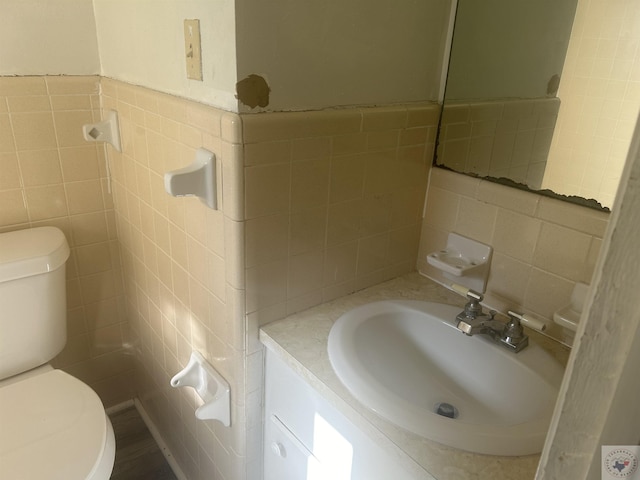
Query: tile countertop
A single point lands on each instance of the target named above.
(301, 341)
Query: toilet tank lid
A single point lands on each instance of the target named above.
(31, 252)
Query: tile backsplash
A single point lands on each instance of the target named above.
(50, 176)
(542, 246)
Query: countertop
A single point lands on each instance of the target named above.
(301, 341)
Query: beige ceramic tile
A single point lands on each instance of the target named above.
(79, 163)
(372, 254)
(340, 264)
(347, 177)
(9, 171)
(266, 285)
(14, 209)
(344, 221)
(32, 103)
(403, 244)
(310, 148)
(309, 184)
(71, 102)
(267, 190)
(305, 274)
(94, 258)
(84, 196)
(562, 251)
(97, 287)
(476, 220)
(573, 216)
(509, 279)
(73, 85)
(267, 153)
(454, 182)
(266, 239)
(547, 293)
(507, 197)
(89, 228)
(7, 143)
(69, 127)
(46, 202)
(441, 208)
(307, 230)
(384, 118)
(516, 235)
(34, 131)
(11, 86)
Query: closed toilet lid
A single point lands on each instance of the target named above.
(52, 426)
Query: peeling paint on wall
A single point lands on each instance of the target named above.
(253, 91)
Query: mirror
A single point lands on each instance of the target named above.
(542, 95)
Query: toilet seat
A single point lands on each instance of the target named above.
(53, 426)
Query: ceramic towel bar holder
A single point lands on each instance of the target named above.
(106, 131)
(210, 386)
(197, 179)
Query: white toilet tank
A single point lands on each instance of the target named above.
(33, 307)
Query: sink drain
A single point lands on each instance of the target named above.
(446, 410)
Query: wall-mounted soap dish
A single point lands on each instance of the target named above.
(569, 315)
(463, 260)
(211, 387)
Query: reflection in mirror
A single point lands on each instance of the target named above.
(542, 94)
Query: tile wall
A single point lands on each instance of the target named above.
(179, 259)
(312, 206)
(542, 246)
(50, 176)
(499, 139)
(333, 202)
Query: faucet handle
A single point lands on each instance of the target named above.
(529, 321)
(467, 292)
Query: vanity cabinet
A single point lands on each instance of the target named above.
(306, 438)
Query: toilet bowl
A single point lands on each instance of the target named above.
(52, 425)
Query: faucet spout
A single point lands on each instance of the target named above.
(473, 321)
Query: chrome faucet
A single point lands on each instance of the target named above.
(473, 321)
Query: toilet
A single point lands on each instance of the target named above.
(52, 425)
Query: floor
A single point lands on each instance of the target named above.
(137, 454)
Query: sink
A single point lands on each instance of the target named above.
(406, 361)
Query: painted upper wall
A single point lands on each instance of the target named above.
(315, 55)
(312, 55)
(142, 42)
(52, 37)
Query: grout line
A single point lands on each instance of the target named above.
(119, 407)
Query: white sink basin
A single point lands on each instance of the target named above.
(405, 360)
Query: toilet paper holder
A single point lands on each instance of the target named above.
(212, 388)
(106, 131)
(197, 179)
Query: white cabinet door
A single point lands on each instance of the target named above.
(308, 439)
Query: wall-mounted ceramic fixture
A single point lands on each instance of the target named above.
(212, 388)
(569, 315)
(106, 131)
(464, 261)
(198, 179)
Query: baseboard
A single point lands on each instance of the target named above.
(119, 407)
(155, 433)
